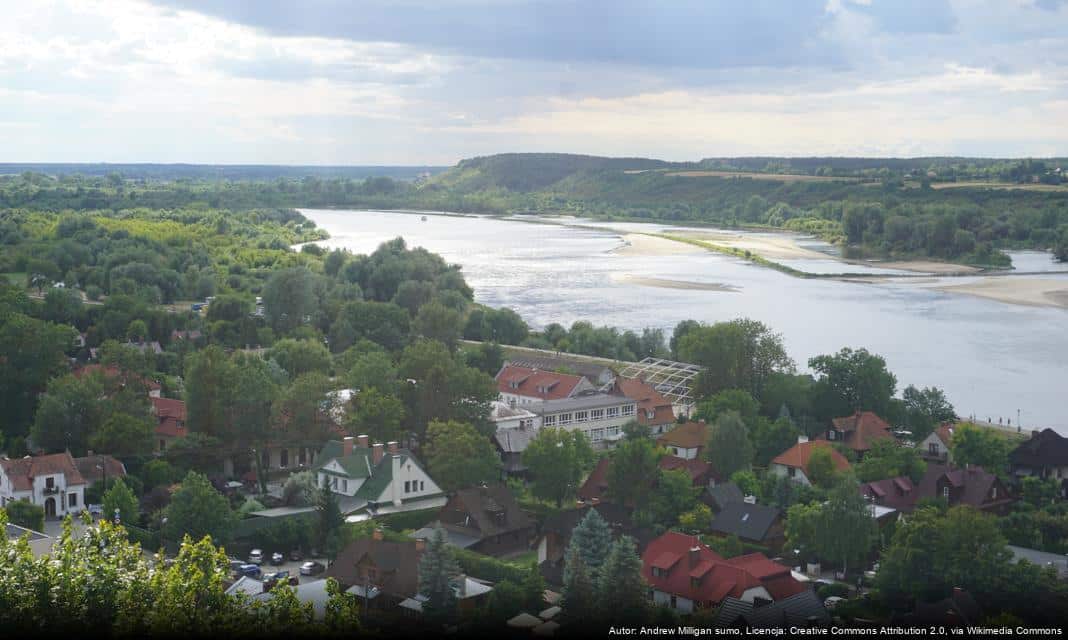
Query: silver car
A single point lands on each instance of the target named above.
(255, 556)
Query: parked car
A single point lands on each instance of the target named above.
(312, 568)
(281, 576)
(277, 558)
(255, 556)
(295, 555)
(235, 565)
(251, 570)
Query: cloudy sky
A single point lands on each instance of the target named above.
(433, 81)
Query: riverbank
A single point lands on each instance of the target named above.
(640, 244)
(1032, 292)
(666, 283)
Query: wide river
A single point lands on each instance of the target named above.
(991, 358)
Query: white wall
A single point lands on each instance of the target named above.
(783, 471)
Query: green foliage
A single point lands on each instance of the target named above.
(674, 495)
(198, 510)
(735, 400)
(298, 357)
(119, 498)
(729, 449)
(739, 354)
(696, 519)
(1039, 492)
(591, 540)
(124, 435)
(983, 447)
(633, 472)
(459, 456)
(24, 514)
(437, 573)
(926, 409)
(158, 472)
(771, 438)
(821, 470)
(488, 568)
(579, 598)
(289, 298)
(299, 489)
(621, 588)
(888, 459)
(377, 414)
(557, 460)
(851, 380)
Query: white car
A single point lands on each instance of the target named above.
(255, 556)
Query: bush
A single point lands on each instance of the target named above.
(829, 590)
(409, 519)
(93, 292)
(157, 473)
(487, 568)
(26, 515)
(95, 493)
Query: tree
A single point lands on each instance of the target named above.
(24, 514)
(505, 602)
(1039, 492)
(820, 469)
(209, 377)
(62, 306)
(31, 353)
(633, 471)
(120, 499)
(504, 326)
(674, 495)
(158, 472)
(198, 510)
(925, 410)
(729, 400)
(298, 413)
(982, 447)
(739, 354)
(124, 435)
(846, 532)
(620, 585)
(459, 456)
(696, 519)
(557, 460)
(377, 414)
(137, 331)
(437, 573)
(373, 369)
(533, 588)
(729, 449)
(888, 459)
(851, 381)
(300, 490)
(435, 321)
(298, 357)
(681, 329)
(579, 599)
(444, 388)
(289, 297)
(69, 413)
(771, 438)
(328, 512)
(591, 540)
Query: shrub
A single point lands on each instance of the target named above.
(24, 514)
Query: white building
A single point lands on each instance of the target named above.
(522, 385)
(506, 416)
(51, 481)
(600, 416)
(377, 475)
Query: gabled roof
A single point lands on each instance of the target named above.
(747, 521)
(89, 467)
(648, 399)
(489, 510)
(588, 370)
(535, 383)
(945, 432)
(971, 486)
(803, 609)
(691, 435)
(563, 523)
(698, 470)
(358, 465)
(513, 440)
(724, 493)
(397, 565)
(596, 485)
(21, 471)
(898, 493)
(698, 573)
(1046, 448)
(799, 455)
(861, 429)
(170, 415)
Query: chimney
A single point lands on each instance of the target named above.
(420, 545)
(397, 498)
(346, 445)
(463, 585)
(749, 499)
(392, 446)
(376, 453)
(363, 441)
(377, 534)
(695, 555)
(802, 439)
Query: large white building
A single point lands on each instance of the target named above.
(600, 416)
(52, 482)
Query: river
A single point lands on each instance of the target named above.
(991, 358)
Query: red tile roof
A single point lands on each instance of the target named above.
(171, 415)
(699, 470)
(696, 572)
(111, 371)
(89, 467)
(798, 455)
(861, 429)
(22, 471)
(647, 398)
(596, 484)
(691, 435)
(897, 493)
(546, 385)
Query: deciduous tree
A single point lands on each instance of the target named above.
(459, 456)
(557, 460)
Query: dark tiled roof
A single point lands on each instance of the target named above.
(802, 609)
(959, 609)
(490, 510)
(698, 470)
(747, 521)
(397, 564)
(897, 493)
(861, 429)
(513, 440)
(972, 486)
(724, 493)
(685, 436)
(1046, 448)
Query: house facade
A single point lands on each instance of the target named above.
(935, 447)
(381, 476)
(655, 412)
(484, 519)
(600, 416)
(793, 463)
(522, 385)
(170, 421)
(51, 481)
(685, 441)
(858, 431)
(1045, 455)
(971, 485)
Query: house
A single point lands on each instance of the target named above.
(94, 468)
(655, 412)
(686, 440)
(1045, 455)
(379, 479)
(858, 431)
(170, 421)
(600, 416)
(935, 447)
(506, 416)
(50, 481)
(152, 387)
(523, 385)
(598, 375)
(700, 472)
(896, 493)
(801, 610)
(972, 486)
(793, 463)
(686, 575)
(470, 592)
(484, 519)
(555, 535)
(385, 573)
(595, 488)
(722, 494)
(511, 443)
(752, 523)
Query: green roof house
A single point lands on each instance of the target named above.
(380, 478)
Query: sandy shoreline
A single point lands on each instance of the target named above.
(783, 247)
(665, 283)
(639, 244)
(1033, 292)
(922, 266)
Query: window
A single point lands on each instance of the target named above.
(695, 583)
(658, 572)
(792, 471)
(994, 493)
(344, 485)
(613, 412)
(582, 416)
(649, 413)
(596, 435)
(628, 409)
(597, 414)
(407, 486)
(50, 482)
(945, 492)
(830, 434)
(302, 457)
(162, 445)
(283, 458)
(72, 500)
(932, 448)
(548, 421)
(420, 485)
(674, 603)
(613, 431)
(565, 418)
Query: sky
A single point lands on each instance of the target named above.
(414, 82)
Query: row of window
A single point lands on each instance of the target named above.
(592, 415)
(411, 486)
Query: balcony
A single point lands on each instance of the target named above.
(51, 490)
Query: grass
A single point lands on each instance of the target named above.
(775, 177)
(1008, 186)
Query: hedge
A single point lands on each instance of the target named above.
(487, 568)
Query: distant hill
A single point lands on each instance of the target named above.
(218, 171)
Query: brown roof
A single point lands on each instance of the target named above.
(396, 565)
(897, 493)
(484, 512)
(861, 429)
(111, 371)
(648, 399)
(799, 455)
(89, 467)
(945, 432)
(691, 435)
(22, 471)
(171, 415)
(973, 486)
(699, 470)
(596, 484)
(534, 383)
